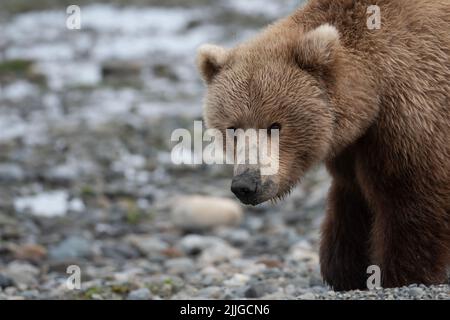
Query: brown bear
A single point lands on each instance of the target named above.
(373, 105)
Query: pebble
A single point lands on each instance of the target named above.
(31, 252)
(70, 248)
(201, 212)
(237, 237)
(148, 245)
(65, 173)
(302, 251)
(139, 294)
(5, 281)
(180, 266)
(237, 280)
(258, 290)
(307, 296)
(212, 292)
(417, 293)
(193, 243)
(221, 252)
(22, 273)
(11, 173)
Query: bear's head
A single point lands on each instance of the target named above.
(276, 81)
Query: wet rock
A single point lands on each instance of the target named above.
(200, 212)
(258, 290)
(5, 281)
(30, 294)
(315, 279)
(120, 251)
(71, 248)
(122, 72)
(139, 294)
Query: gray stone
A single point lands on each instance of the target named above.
(307, 296)
(147, 245)
(139, 294)
(212, 292)
(200, 212)
(5, 281)
(416, 292)
(257, 290)
(10, 172)
(62, 174)
(72, 247)
(180, 266)
(22, 273)
(236, 236)
(193, 244)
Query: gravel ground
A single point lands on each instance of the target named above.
(85, 173)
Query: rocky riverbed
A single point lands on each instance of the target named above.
(86, 177)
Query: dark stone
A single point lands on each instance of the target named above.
(5, 281)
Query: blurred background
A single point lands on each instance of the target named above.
(86, 177)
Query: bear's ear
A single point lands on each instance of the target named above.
(210, 60)
(318, 47)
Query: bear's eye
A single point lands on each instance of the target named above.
(274, 126)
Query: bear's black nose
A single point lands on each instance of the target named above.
(245, 187)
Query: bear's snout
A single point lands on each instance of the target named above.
(246, 186)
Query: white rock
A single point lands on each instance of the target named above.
(212, 249)
(201, 212)
(47, 204)
(76, 205)
(210, 270)
(302, 251)
(248, 267)
(237, 280)
(221, 252)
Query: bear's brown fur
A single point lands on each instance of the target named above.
(374, 106)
